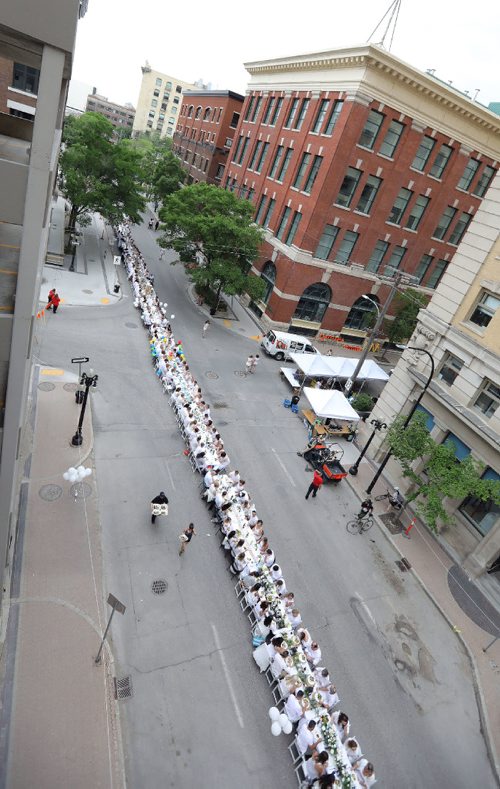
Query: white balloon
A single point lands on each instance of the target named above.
(283, 720)
(172, 317)
(80, 469)
(288, 728)
(66, 475)
(88, 472)
(275, 729)
(71, 470)
(274, 713)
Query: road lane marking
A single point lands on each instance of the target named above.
(170, 476)
(51, 372)
(227, 676)
(227, 323)
(289, 476)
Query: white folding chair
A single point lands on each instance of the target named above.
(294, 752)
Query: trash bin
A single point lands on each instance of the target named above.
(295, 399)
(116, 288)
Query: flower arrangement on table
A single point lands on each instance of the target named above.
(333, 747)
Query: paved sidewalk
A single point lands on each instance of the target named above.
(59, 725)
(430, 564)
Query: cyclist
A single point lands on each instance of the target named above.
(366, 509)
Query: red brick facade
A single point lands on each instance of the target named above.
(8, 92)
(205, 132)
(333, 135)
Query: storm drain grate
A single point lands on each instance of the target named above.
(240, 373)
(212, 374)
(46, 386)
(220, 404)
(159, 586)
(403, 564)
(391, 522)
(131, 325)
(123, 688)
(50, 492)
(80, 490)
(70, 387)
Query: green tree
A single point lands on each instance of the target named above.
(98, 174)
(213, 232)
(442, 475)
(406, 307)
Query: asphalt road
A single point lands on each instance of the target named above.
(199, 705)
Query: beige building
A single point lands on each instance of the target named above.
(42, 44)
(461, 329)
(159, 102)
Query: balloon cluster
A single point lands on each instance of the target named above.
(77, 474)
(280, 722)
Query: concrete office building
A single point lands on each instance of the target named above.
(159, 102)
(205, 133)
(120, 115)
(41, 45)
(358, 164)
(461, 329)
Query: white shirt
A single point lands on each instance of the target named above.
(293, 708)
(306, 739)
(364, 780)
(208, 479)
(295, 621)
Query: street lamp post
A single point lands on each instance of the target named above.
(377, 425)
(407, 420)
(87, 381)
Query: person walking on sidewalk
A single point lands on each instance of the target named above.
(249, 364)
(255, 361)
(206, 327)
(54, 302)
(159, 506)
(185, 537)
(315, 485)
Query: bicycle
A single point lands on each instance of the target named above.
(395, 499)
(360, 524)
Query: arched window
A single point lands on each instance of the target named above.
(190, 111)
(268, 275)
(206, 114)
(198, 113)
(362, 314)
(313, 303)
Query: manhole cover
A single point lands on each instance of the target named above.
(123, 688)
(240, 373)
(46, 386)
(88, 291)
(159, 586)
(50, 492)
(80, 490)
(131, 325)
(212, 374)
(220, 405)
(70, 387)
(392, 523)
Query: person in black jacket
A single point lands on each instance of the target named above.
(159, 506)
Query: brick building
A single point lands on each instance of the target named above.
(205, 132)
(18, 88)
(358, 164)
(120, 115)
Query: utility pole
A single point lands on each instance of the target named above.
(398, 276)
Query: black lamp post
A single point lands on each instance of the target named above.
(407, 420)
(377, 425)
(87, 381)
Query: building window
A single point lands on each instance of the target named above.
(302, 114)
(156, 93)
(220, 113)
(267, 113)
(371, 129)
(291, 114)
(228, 142)
(394, 261)
(25, 78)
(158, 82)
(422, 155)
(154, 103)
(190, 111)
(470, 171)
(260, 210)
(482, 514)
(306, 157)
(234, 120)
(334, 115)
(269, 212)
(444, 223)
(489, 399)
(437, 273)
(176, 100)
(450, 369)
(178, 88)
(441, 160)
(423, 267)
(399, 206)
(219, 172)
(249, 108)
(276, 161)
(276, 112)
(256, 152)
(164, 106)
(348, 187)
(417, 212)
(297, 216)
(151, 114)
(262, 158)
(206, 114)
(284, 221)
(256, 109)
(313, 303)
(485, 310)
(461, 226)
(320, 116)
(251, 193)
(238, 147)
(346, 247)
(326, 242)
(459, 447)
(368, 194)
(313, 174)
(377, 256)
(391, 139)
(284, 167)
(362, 314)
(484, 181)
(198, 113)
(268, 275)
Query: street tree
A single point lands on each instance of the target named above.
(441, 476)
(98, 174)
(406, 308)
(214, 235)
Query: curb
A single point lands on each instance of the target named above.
(478, 691)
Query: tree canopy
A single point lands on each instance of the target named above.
(406, 308)
(442, 474)
(214, 234)
(98, 174)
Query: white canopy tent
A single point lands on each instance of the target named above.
(313, 365)
(318, 366)
(331, 404)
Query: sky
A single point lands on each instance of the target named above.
(212, 40)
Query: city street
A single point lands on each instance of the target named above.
(198, 705)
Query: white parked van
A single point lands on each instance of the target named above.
(280, 344)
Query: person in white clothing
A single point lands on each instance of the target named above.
(365, 773)
(294, 618)
(293, 706)
(313, 653)
(307, 738)
(353, 750)
(330, 697)
(341, 723)
(234, 476)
